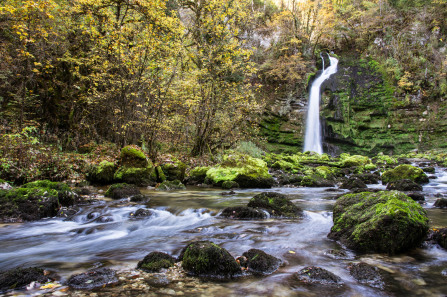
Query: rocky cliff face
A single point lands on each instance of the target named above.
(361, 114)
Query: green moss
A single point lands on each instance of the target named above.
(230, 185)
(155, 261)
(404, 171)
(132, 152)
(356, 160)
(161, 177)
(135, 175)
(199, 171)
(276, 204)
(382, 222)
(171, 185)
(60, 187)
(236, 165)
(103, 173)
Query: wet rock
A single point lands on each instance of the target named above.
(404, 185)
(83, 191)
(260, 263)
(104, 219)
(158, 280)
(440, 203)
(123, 190)
(135, 167)
(68, 212)
(336, 254)
(19, 278)
(317, 275)
(155, 261)
(416, 196)
(171, 185)
(440, 237)
(228, 193)
(93, 279)
(230, 185)
(404, 171)
(138, 198)
(367, 274)
(207, 259)
(175, 170)
(368, 178)
(276, 204)
(432, 177)
(389, 222)
(141, 213)
(243, 213)
(353, 183)
(429, 169)
(93, 215)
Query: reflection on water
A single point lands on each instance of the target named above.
(106, 233)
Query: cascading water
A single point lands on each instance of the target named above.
(312, 140)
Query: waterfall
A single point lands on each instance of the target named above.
(312, 140)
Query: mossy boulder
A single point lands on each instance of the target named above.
(103, 173)
(207, 259)
(34, 201)
(174, 170)
(405, 171)
(229, 184)
(353, 183)
(353, 161)
(276, 204)
(135, 168)
(133, 156)
(161, 177)
(259, 262)
(404, 185)
(440, 236)
(155, 261)
(384, 222)
(134, 175)
(440, 203)
(197, 175)
(122, 190)
(243, 213)
(247, 171)
(171, 185)
(18, 278)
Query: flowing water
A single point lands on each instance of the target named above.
(105, 234)
(312, 140)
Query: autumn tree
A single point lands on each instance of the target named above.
(217, 89)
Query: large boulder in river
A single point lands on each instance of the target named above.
(34, 201)
(317, 275)
(247, 171)
(135, 167)
(207, 259)
(276, 204)
(174, 170)
(384, 222)
(404, 185)
(18, 278)
(353, 183)
(155, 261)
(243, 213)
(404, 171)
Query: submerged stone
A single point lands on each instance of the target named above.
(367, 274)
(155, 261)
(388, 222)
(243, 213)
(122, 190)
(93, 279)
(405, 171)
(260, 263)
(18, 278)
(276, 204)
(317, 275)
(207, 259)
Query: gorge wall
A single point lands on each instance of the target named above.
(361, 113)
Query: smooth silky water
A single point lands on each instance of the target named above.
(104, 234)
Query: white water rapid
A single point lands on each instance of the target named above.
(312, 140)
